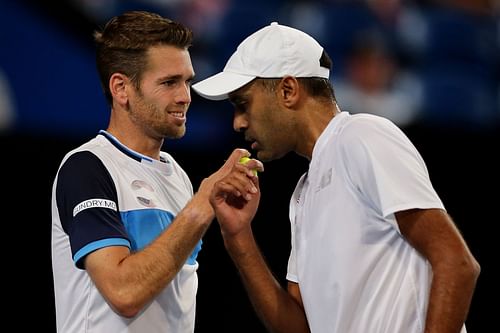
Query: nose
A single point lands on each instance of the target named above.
(240, 123)
(183, 95)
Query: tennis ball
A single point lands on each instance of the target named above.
(244, 160)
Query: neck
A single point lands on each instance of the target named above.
(316, 118)
(134, 137)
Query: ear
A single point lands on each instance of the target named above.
(289, 90)
(118, 87)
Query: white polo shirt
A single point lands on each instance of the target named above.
(355, 271)
(108, 195)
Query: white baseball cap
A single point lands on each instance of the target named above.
(271, 52)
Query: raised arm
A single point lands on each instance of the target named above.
(128, 281)
(279, 310)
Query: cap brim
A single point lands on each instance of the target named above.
(218, 86)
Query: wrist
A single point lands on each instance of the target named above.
(199, 211)
(240, 241)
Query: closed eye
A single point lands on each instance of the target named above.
(239, 104)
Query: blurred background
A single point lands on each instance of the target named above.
(431, 66)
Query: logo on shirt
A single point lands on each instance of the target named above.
(143, 191)
(94, 203)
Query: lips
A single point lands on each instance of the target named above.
(180, 115)
(253, 142)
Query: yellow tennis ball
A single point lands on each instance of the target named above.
(244, 160)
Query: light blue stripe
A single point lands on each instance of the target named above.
(145, 225)
(98, 245)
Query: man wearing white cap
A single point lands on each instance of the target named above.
(373, 249)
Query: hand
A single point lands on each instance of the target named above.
(207, 183)
(201, 198)
(235, 198)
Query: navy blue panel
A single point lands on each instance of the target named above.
(84, 179)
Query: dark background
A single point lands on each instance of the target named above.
(46, 57)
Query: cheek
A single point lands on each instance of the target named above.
(271, 119)
(269, 130)
(148, 110)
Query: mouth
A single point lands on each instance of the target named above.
(248, 138)
(178, 117)
(253, 143)
(178, 114)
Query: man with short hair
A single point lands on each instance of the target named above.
(126, 226)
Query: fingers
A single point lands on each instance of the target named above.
(240, 161)
(253, 165)
(236, 155)
(226, 192)
(241, 182)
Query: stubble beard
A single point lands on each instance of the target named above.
(153, 120)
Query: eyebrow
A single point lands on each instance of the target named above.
(235, 99)
(173, 77)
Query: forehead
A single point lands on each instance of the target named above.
(244, 92)
(168, 60)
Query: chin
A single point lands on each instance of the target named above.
(269, 155)
(179, 135)
(176, 133)
(264, 156)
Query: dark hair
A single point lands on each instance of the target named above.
(320, 87)
(122, 45)
(315, 86)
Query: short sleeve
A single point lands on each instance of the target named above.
(386, 168)
(87, 204)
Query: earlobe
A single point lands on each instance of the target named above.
(117, 86)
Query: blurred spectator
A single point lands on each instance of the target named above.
(203, 16)
(309, 16)
(459, 64)
(477, 7)
(387, 11)
(374, 83)
(6, 104)
(442, 65)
